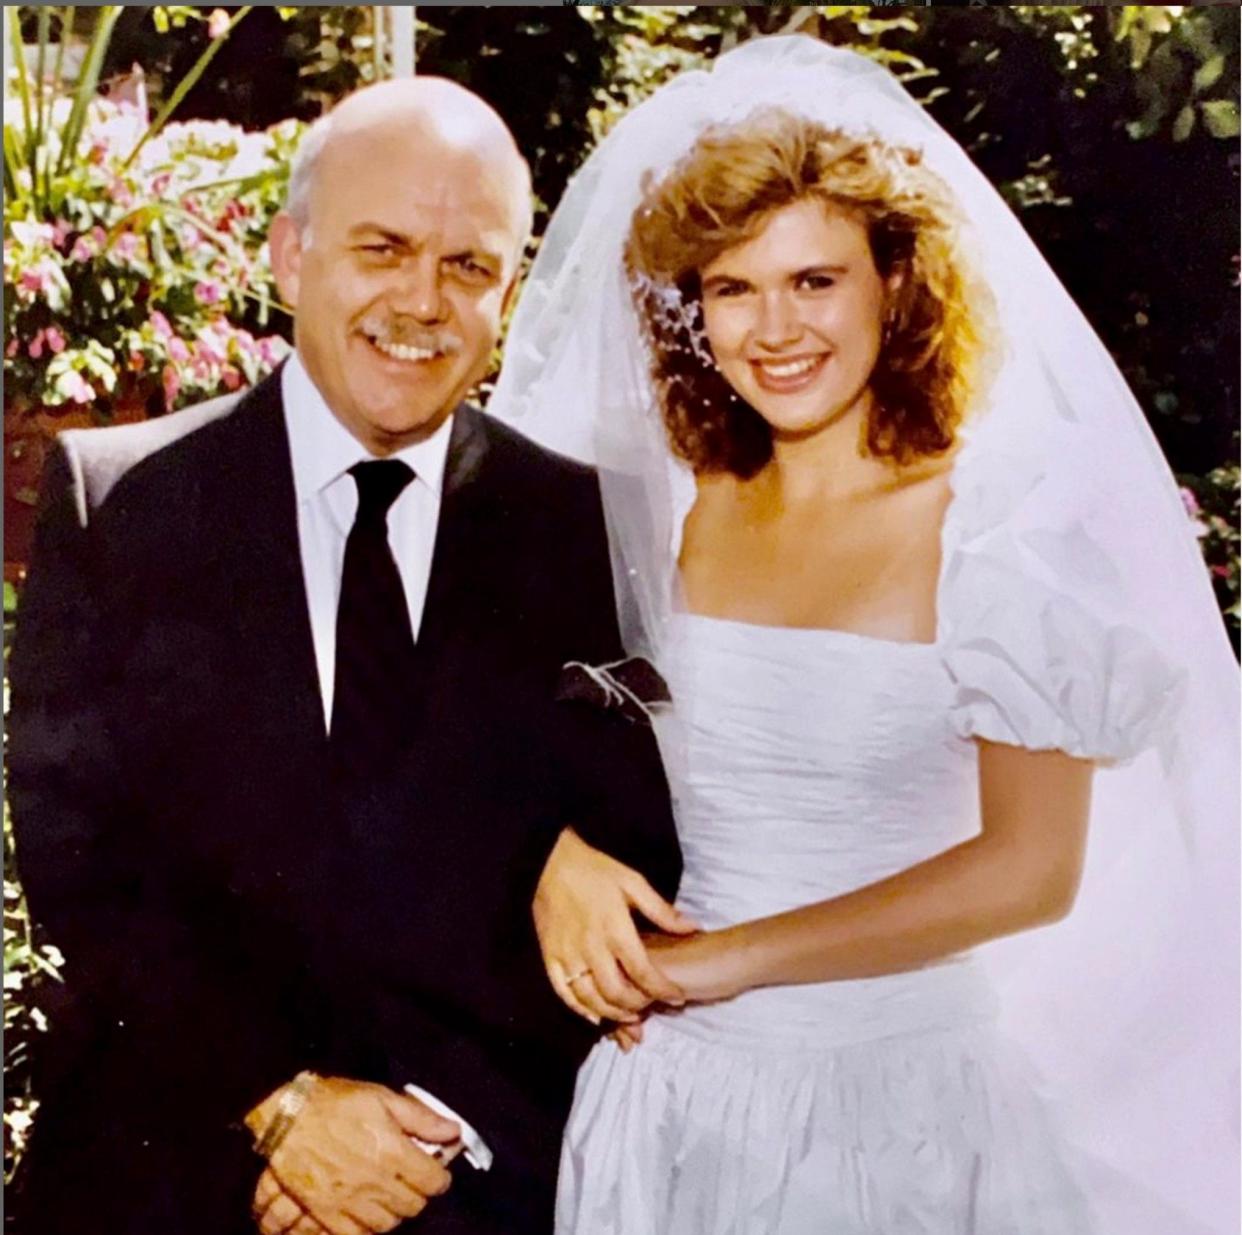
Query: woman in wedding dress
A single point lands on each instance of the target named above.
(891, 528)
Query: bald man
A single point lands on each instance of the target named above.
(286, 758)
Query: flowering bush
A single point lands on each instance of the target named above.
(1213, 501)
(144, 285)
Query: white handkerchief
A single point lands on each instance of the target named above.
(474, 1148)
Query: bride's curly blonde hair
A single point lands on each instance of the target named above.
(720, 195)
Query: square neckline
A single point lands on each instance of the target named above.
(842, 634)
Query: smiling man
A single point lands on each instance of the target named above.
(286, 760)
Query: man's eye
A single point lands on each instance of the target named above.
(818, 282)
(379, 249)
(728, 290)
(474, 271)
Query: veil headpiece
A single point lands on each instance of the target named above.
(1066, 539)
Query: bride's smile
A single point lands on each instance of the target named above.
(794, 316)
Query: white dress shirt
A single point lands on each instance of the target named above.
(323, 451)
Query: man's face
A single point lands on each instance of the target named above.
(401, 280)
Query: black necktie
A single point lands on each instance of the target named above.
(371, 703)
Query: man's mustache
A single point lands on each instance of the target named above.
(399, 332)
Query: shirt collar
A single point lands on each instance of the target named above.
(323, 450)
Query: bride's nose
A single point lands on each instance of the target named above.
(778, 323)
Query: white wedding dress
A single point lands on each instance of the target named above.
(804, 764)
(1074, 614)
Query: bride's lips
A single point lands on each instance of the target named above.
(789, 374)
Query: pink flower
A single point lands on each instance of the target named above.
(80, 390)
(217, 24)
(137, 362)
(60, 232)
(82, 250)
(231, 378)
(172, 385)
(208, 291)
(1221, 572)
(210, 348)
(159, 324)
(126, 246)
(99, 236)
(55, 340)
(12, 348)
(32, 280)
(272, 350)
(34, 349)
(178, 350)
(121, 193)
(159, 186)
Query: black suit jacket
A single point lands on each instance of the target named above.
(228, 915)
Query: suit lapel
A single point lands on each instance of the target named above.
(260, 571)
(466, 528)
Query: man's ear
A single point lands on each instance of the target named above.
(284, 243)
(510, 296)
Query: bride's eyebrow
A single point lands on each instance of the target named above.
(722, 280)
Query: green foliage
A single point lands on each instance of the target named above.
(118, 226)
(28, 963)
(1213, 501)
(141, 279)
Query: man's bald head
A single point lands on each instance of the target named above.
(433, 113)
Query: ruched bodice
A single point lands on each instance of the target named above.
(807, 763)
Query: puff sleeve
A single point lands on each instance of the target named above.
(1044, 636)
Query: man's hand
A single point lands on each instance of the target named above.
(347, 1165)
(584, 917)
(278, 1213)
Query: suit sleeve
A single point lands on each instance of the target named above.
(138, 981)
(64, 782)
(615, 791)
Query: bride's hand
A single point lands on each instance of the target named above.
(706, 966)
(584, 917)
(627, 1037)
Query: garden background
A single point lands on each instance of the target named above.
(146, 148)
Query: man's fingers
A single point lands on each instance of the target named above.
(379, 1218)
(343, 1224)
(266, 1191)
(306, 1225)
(656, 909)
(417, 1119)
(279, 1215)
(419, 1172)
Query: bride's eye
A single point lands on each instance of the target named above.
(818, 282)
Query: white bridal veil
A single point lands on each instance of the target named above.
(1074, 612)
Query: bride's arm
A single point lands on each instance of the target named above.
(1021, 871)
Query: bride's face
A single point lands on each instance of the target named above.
(795, 315)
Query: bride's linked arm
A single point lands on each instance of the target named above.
(1022, 870)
